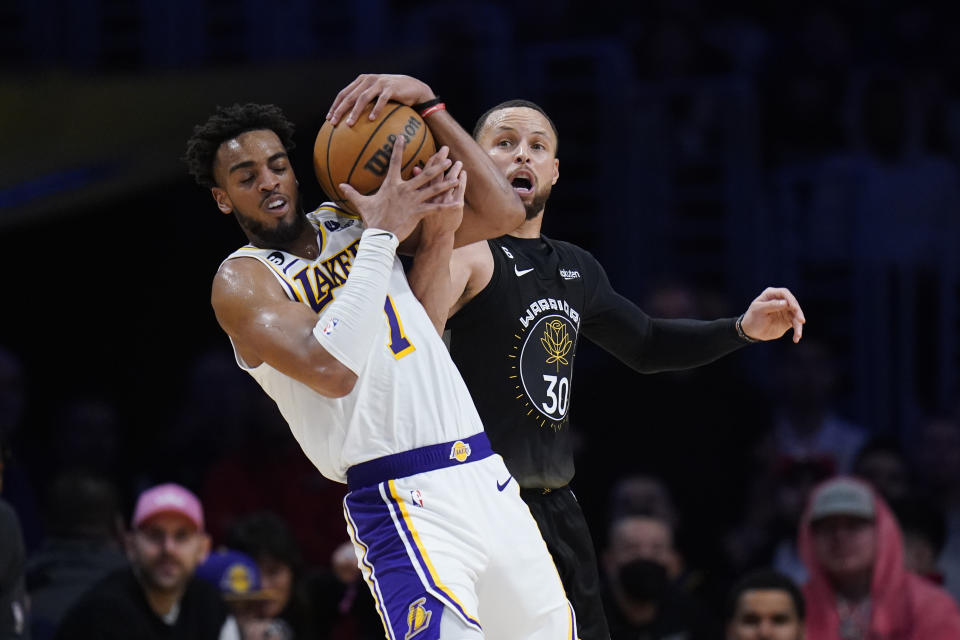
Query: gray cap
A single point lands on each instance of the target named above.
(842, 497)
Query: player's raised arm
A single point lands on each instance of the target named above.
(492, 207)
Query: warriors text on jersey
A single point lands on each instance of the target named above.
(409, 394)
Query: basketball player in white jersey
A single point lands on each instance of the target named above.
(319, 312)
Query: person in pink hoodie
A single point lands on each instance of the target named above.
(859, 588)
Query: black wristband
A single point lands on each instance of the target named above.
(743, 334)
(422, 106)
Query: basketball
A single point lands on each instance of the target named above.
(360, 155)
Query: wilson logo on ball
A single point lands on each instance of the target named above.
(380, 161)
(360, 155)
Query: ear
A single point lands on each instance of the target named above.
(556, 170)
(222, 199)
(203, 549)
(129, 546)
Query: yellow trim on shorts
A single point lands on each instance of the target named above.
(423, 552)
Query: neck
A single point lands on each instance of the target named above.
(853, 589)
(530, 228)
(304, 246)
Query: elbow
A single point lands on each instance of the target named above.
(343, 384)
(334, 381)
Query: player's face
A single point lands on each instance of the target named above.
(845, 546)
(166, 550)
(521, 143)
(765, 614)
(257, 184)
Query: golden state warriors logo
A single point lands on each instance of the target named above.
(418, 618)
(542, 362)
(556, 342)
(460, 451)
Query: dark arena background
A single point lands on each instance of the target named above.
(707, 150)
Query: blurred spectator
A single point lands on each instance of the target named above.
(767, 535)
(883, 463)
(640, 598)
(267, 538)
(924, 533)
(84, 543)
(859, 587)
(267, 470)
(806, 425)
(248, 600)
(637, 494)
(937, 461)
(765, 605)
(158, 596)
(16, 484)
(13, 595)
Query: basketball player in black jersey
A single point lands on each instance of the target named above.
(517, 307)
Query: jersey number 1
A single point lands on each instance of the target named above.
(399, 344)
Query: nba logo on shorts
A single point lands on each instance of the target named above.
(460, 451)
(416, 497)
(418, 618)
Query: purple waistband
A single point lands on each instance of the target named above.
(414, 461)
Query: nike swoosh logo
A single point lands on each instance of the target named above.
(523, 272)
(501, 487)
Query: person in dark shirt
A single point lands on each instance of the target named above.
(517, 305)
(157, 596)
(13, 593)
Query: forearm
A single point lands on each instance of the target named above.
(430, 276)
(492, 207)
(651, 345)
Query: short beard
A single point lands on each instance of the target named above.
(277, 237)
(535, 208)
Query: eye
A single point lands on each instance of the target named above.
(247, 180)
(537, 145)
(504, 144)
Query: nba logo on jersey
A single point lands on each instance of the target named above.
(418, 618)
(460, 451)
(330, 326)
(416, 497)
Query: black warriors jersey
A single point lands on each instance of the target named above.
(515, 343)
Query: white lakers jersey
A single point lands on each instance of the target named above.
(409, 395)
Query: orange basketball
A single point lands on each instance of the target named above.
(360, 155)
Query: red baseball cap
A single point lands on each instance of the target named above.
(168, 498)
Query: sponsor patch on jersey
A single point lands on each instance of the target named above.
(276, 258)
(418, 618)
(338, 225)
(507, 251)
(460, 451)
(330, 326)
(569, 274)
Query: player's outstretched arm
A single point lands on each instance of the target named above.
(266, 326)
(492, 208)
(772, 313)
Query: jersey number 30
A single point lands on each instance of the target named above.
(399, 344)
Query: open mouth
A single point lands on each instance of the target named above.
(276, 205)
(522, 185)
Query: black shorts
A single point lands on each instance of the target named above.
(565, 531)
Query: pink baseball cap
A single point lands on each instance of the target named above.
(168, 498)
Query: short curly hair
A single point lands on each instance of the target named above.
(227, 123)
